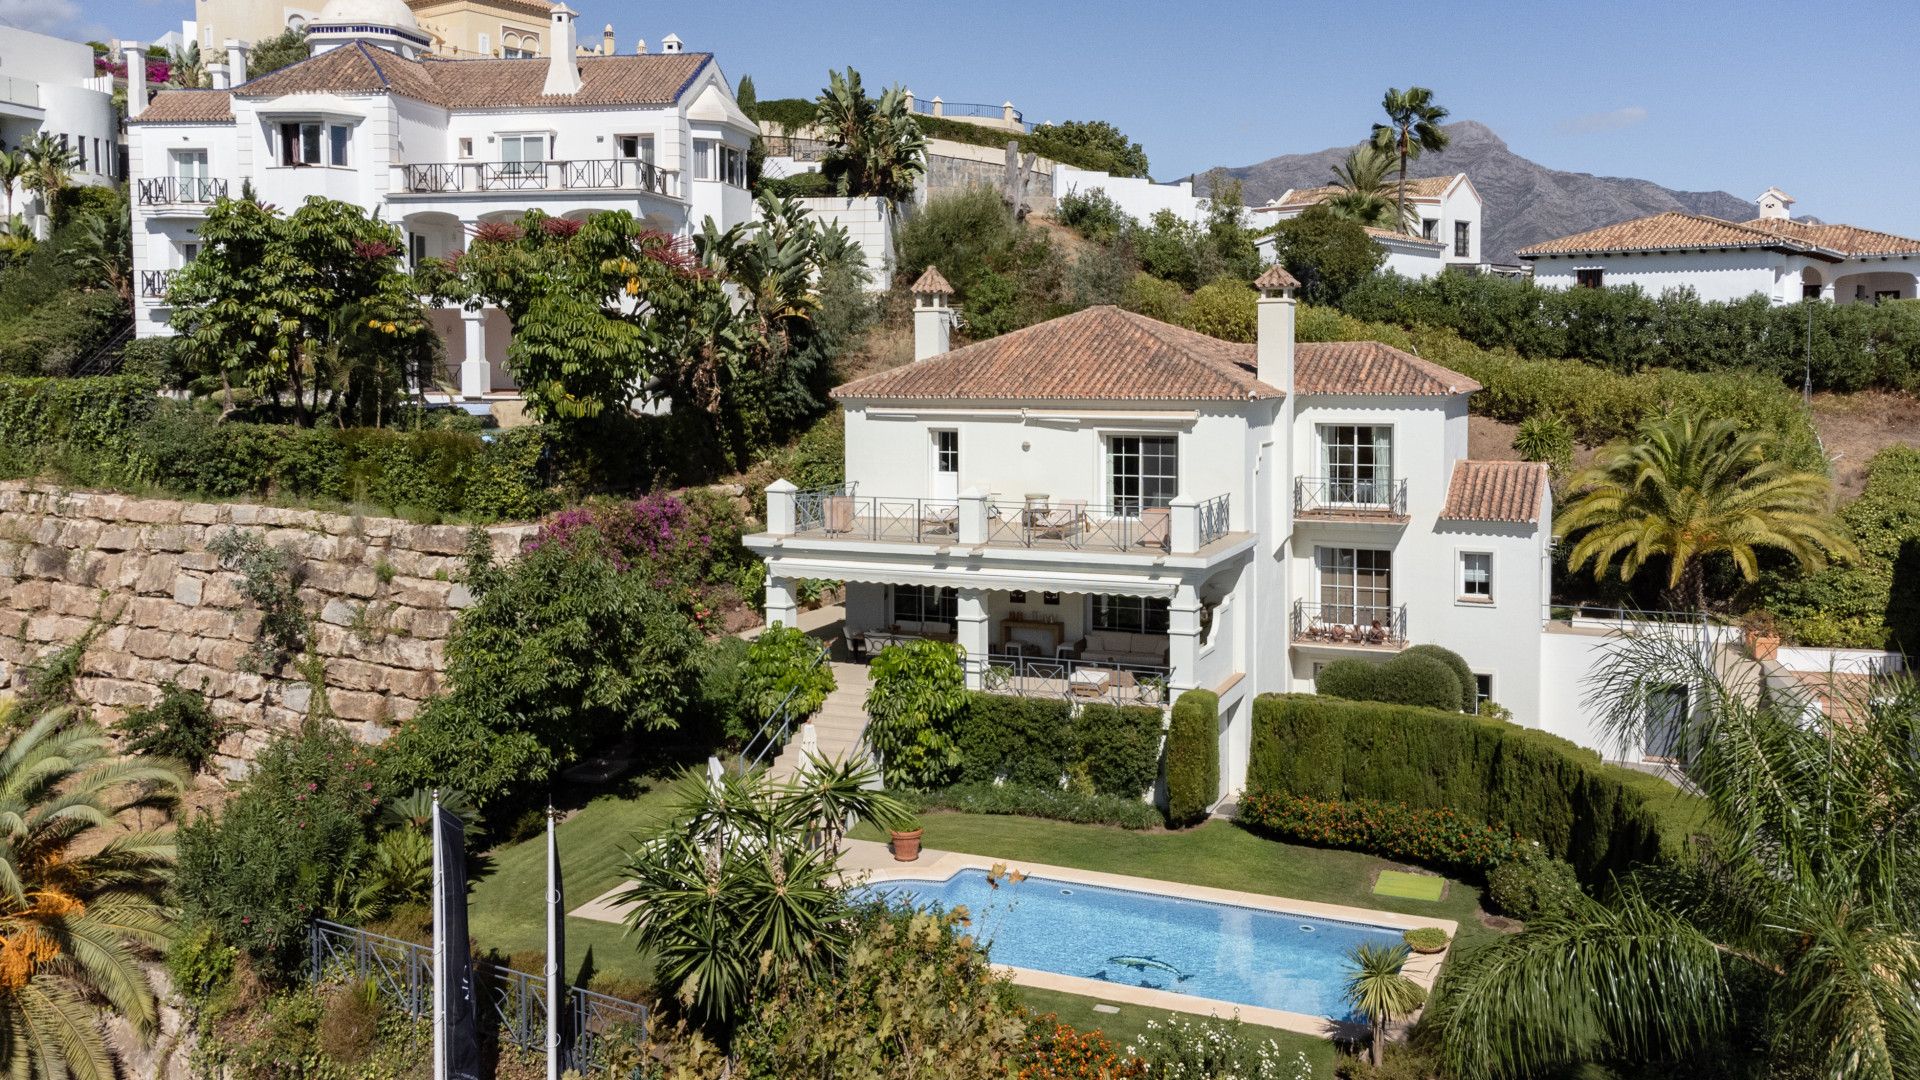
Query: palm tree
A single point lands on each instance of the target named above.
(81, 893)
(1784, 943)
(1412, 127)
(1378, 991)
(874, 147)
(49, 168)
(185, 69)
(101, 246)
(1366, 196)
(13, 167)
(1686, 488)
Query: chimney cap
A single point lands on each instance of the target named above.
(1275, 278)
(670, 44)
(932, 283)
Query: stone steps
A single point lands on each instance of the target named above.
(838, 725)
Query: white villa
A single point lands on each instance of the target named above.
(439, 147)
(1775, 255)
(1449, 209)
(48, 86)
(1108, 506)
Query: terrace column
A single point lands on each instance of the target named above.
(782, 605)
(973, 633)
(781, 515)
(972, 531)
(1185, 514)
(1183, 637)
(476, 374)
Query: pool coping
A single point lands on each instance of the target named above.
(1422, 968)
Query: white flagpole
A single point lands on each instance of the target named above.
(439, 952)
(556, 994)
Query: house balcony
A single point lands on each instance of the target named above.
(597, 175)
(189, 193)
(1344, 627)
(1184, 528)
(155, 283)
(1350, 501)
(20, 98)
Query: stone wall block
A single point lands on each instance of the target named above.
(188, 588)
(339, 613)
(354, 675)
(152, 511)
(428, 623)
(117, 538)
(355, 705)
(156, 575)
(147, 612)
(166, 538)
(80, 534)
(48, 562)
(200, 513)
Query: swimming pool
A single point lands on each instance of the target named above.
(1225, 952)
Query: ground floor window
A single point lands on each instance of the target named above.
(1482, 692)
(1590, 278)
(925, 604)
(1130, 614)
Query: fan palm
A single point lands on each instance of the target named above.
(1686, 488)
(1378, 991)
(1783, 944)
(875, 147)
(80, 893)
(13, 168)
(1366, 195)
(49, 168)
(101, 246)
(1412, 128)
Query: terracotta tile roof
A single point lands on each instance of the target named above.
(1106, 354)
(932, 282)
(189, 107)
(1429, 187)
(1275, 277)
(1507, 491)
(1846, 239)
(1666, 232)
(1099, 354)
(654, 79)
(1370, 367)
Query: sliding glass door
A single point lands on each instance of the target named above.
(1356, 585)
(1359, 464)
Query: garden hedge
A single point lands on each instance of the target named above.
(1469, 686)
(1027, 740)
(1120, 747)
(1406, 679)
(1193, 757)
(1603, 819)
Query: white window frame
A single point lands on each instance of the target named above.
(322, 128)
(644, 145)
(466, 147)
(1369, 484)
(1482, 698)
(945, 447)
(1354, 604)
(1110, 453)
(1460, 593)
(1462, 239)
(706, 159)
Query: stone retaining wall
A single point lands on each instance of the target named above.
(379, 591)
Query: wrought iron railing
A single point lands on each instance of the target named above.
(796, 147)
(156, 282)
(1072, 679)
(1348, 495)
(590, 174)
(1067, 523)
(1213, 519)
(867, 517)
(978, 110)
(177, 190)
(401, 973)
(1383, 625)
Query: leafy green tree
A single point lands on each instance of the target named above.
(82, 893)
(1366, 196)
(1874, 601)
(1688, 488)
(1230, 244)
(1782, 946)
(1094, 141)
(781, 668)
(1155, 298)
(1327, 253)
(740, 890)
(1225, 309)
(1377, 990)
(1006, 274)
(310, 309)
(278, 52)
(1412, 128)
(1546, 437)
(874, 146)
(13, 169)
(99, 244)
(919, 693)
(1094, 215)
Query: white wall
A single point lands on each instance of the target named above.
(1409, 260)
(870, 223)
(1139, 197)
(49, 87)
(1714, 275)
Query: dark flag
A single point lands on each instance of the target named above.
(456, 1028)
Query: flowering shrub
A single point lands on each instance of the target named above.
(688, 547)
(1063, 1052)
(1184, 1048)
(1435, 837)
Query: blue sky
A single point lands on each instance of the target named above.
(1814, 97)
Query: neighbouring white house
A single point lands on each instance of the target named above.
(1773, 254)
(439, 147)
(1107, 506)
(1138, 197)
(48, 86)
(1449, 212)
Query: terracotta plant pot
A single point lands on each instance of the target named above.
(1763, 646)
(906, 845)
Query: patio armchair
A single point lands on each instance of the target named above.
(1156, 527)
(939, 518)
(1061, 523)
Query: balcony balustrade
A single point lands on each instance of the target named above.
(181, 190)
(597, 174)
(1071, 524)
(1381, 626)
(1350, 498)
(154, 283)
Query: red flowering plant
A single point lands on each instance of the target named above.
(688, 546)
(1442, 837)
(1059, 1051)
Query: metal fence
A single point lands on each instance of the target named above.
(1075, 680)
(1213, 519)
(156, 282)
(513, 1003)
(1350, 624)
(593, 174)
(1067, 523)
(165, 190)
(1346, 495)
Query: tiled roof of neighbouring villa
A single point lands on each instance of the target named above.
(1674, 231)
(1503, 491)
(1107, 354)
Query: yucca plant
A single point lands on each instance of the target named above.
(1378, 991)
(81, 892)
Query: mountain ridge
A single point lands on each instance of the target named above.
(1525, 202)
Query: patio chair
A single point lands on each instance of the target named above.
(1064, 522)
(939, 519)
(1156, 527)
(839, 514)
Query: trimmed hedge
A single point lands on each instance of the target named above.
(1053, 803)
(1439, 837)
(1603, 819)
(1469, 686)
(52, 423)
(1407, 679)
(1193, 757)
(1120, 746)
(1025, 739)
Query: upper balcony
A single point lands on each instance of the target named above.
(1350, 500)
(190, 193)
(1354, 624)
(155, 283)
(597, 175)
(1187, 527)
(20, 98)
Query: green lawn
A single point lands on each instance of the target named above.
(1217, 854)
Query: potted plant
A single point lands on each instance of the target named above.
(906, 840)
(1427, 940)
(1762, 634)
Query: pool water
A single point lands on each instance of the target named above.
(1241, 955)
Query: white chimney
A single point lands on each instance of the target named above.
(217, 74)
(1273, 331)
(136, 77)
(1773, 204)
(563, 66)
(237, 60)
(640, 47)
(607, 47)
(931, 316)
(670, 44)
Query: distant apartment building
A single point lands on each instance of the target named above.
(1447, 208)
(49, 86)
(1773, 254)
(507, 29)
